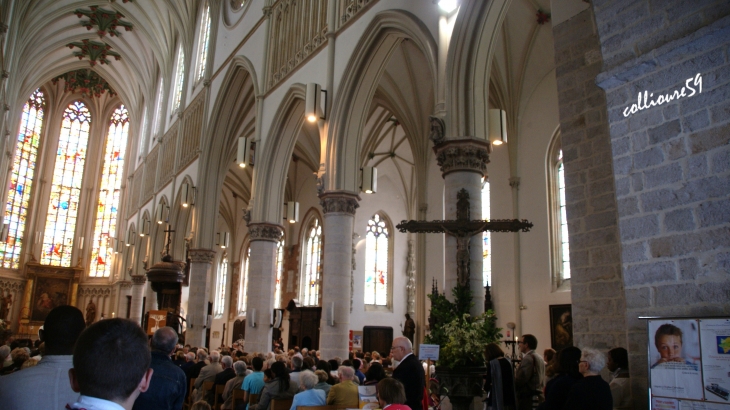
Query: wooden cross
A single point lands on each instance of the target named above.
(463, 228)
(168, 240)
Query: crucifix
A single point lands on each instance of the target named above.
(168, 238)
(463, 228)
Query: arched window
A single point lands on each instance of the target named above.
(21, 178)
(203, 39)
(559, 247)
(158, 111)
(111, 183)
(141, 150)
(377, 262)
(243, 286)
(220, 287)
(486, 238)
(312, 277)
(279, 273)
(63, 206)
(179, 79)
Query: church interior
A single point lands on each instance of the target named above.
(268, 149)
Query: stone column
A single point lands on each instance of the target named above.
(264, 238)
(135, 310)
(200, 261)
(463, 163)
(339, 213)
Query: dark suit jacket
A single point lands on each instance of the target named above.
(410, 373)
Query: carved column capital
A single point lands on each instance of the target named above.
(139, 279)
(262, 231)
(514, 182)
(342, 202)
(463, 155)
(202, 255)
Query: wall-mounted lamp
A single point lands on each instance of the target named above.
(278, 317)
(331, 314)
(187, 195)
(369, 180)
(448, 6)
(312, 103)
(292, 212)
(130, 237)
(4, 233)
(162, 213)
(252, 318)
(497, 126)
(244, 152)
(145, 228)
(222, 239)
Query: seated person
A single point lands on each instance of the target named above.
(278, 387)
(322, 377)
(668, 341)
(344, 393)
(308, 396)
(391, 394)
(111, 364)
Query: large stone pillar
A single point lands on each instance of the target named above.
(200, 263)
(463, 163)
(135, 310)
(339, 214)
(265, 238)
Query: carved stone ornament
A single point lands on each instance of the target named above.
(339, 202)
(463, 155)
(265, 232)
(438, 130)
(202, 255)
(139, 279)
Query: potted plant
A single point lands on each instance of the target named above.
(462, 339)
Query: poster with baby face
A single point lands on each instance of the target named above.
(674, 358)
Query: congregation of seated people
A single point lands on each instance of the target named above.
(189, 377)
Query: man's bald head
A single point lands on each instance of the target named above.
(401, 347)
(164, 340)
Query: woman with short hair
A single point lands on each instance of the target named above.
(308, 396)
(591, 392)
(391, 394)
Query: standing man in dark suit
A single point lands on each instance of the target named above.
(409, 372)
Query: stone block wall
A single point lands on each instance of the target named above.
(671, 161)
(597, 287)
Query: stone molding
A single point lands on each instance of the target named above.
(139, 279)
(262, 231)
(339, 202)
(463, 155)
(202, 255)
(95, 290)
(11, 284)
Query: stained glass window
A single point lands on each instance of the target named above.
(486, 239)
(21, 178)
(279, 274)
(220, 289)
(376, 262)
(564, 248)
(243, 287)
(111, 183)
(63, 205)
(203, 39)
(180, 79)
(158, 112)
(312, 265)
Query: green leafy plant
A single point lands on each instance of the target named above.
(462, 337)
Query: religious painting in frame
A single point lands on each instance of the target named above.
(561, 326)
(49, 292)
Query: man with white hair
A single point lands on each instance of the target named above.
(227, 374)
(344, 393)
(168, 384)
(207, 373)
(409, 371)
(296, 368)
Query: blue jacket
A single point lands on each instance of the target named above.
(167, 387)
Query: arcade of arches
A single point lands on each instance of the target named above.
(143, 126)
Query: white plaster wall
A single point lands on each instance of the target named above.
(537, 125)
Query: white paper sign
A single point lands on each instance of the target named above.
(716, 359)
(426, 352)
(675, 359)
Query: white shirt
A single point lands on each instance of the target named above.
(93, 403)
